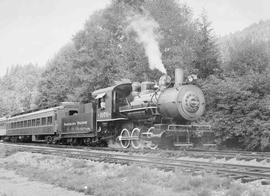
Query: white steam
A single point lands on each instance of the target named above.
(145, 28)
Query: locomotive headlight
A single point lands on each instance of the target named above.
(164, 80)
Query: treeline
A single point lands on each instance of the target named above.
(105, 51)
(18, 89)
(234, 72)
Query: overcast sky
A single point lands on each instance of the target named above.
(34, 30)
(228, 16)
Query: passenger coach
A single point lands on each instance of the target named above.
(39, 125)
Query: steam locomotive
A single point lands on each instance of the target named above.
(133, 115)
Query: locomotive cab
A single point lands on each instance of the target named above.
(108, 101)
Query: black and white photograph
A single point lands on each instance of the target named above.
(134, 97)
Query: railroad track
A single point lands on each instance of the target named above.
(236, 171)
(197, 153)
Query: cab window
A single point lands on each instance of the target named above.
(72, 112)
(100, 100)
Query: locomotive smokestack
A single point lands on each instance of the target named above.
(179, 77)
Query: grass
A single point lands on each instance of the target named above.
(103, 179)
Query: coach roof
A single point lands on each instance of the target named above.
(43, 110)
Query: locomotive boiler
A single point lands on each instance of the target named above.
(178, 102)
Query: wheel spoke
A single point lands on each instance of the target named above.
(124, 138)
(136, 141)
(151, 145)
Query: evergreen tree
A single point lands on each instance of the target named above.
(18, 89)
(247, 56)
(58, 80)
(206, 60)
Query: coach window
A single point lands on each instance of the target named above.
(25, 123)
(29, 123)
(43, 121)
(49, 120)
(12, 125)
(37, 121)
(33, 122)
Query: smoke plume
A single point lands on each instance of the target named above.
(145, 28)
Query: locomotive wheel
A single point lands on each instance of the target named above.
(124, 138)
(151, 145)
(87, 141)
(49, 139)
(55, 140)
(136, 141)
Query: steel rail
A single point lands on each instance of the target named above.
(227, 154)
(229, 169)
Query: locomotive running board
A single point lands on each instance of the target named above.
(182, 145)
(114, 119)
(209, 145)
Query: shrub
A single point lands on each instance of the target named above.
(238, 108)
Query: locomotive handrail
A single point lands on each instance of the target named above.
(126, 109)
(197, 127)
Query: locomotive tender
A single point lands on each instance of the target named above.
(132, 114)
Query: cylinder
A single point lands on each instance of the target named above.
(179, 77)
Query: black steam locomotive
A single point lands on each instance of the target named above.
(131, 114)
